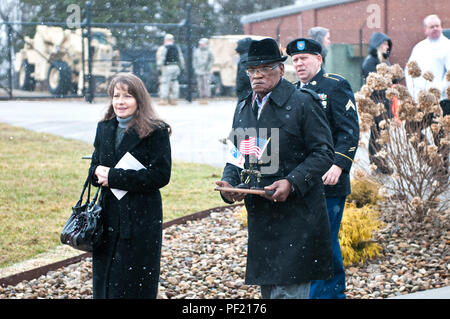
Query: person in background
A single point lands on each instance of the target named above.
(203, 62)
(321, 35)
(288, 232)
(170, 62)
(380, 47)
(127, 262)
(433, 55)
(338, 102)
(243, 87)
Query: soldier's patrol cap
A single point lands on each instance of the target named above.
(303, 45)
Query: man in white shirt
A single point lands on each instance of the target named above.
(432, 54)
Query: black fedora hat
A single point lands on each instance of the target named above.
(263, 51)
(303, 45)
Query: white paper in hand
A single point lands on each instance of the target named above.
(128, 161)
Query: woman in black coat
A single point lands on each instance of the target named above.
(127, 263)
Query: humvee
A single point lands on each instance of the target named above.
(53, 59)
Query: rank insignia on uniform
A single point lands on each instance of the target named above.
(350, 105)
(330, 76)
(322, 96)
(313, 82)
(301, 45)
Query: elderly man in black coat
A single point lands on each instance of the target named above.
(288, 232)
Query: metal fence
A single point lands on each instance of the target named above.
(78, 62)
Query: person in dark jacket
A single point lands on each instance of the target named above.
(339, 105)
(127, 263)
(243, 87)
(289, 240)
(380, 46)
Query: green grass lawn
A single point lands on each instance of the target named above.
(41, 176)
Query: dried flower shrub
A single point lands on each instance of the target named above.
(397, 72)
(376, 81)
(414, 146)
(428, 76)
(413, 69)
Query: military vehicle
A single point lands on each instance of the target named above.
(53, 60)
(226, 60)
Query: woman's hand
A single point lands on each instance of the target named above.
(102, 175)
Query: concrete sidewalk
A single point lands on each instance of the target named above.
(197, 128)
(437, 293)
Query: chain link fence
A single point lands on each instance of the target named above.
(62, 60)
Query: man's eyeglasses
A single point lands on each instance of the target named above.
(264, 70)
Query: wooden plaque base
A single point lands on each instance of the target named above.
(244, 190)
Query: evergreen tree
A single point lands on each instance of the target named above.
(130, 11)
(231, 12)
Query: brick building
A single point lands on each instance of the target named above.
(351, 22)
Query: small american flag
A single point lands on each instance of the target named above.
(249, 147)
(253, 146)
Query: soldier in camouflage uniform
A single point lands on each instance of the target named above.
(169, 59)
(203, 62)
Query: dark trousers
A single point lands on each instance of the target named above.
(332, 288)
(293, 291)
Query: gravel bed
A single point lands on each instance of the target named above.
(206, 259)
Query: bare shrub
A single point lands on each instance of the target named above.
(414, 143)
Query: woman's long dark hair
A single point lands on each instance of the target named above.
(145, 120)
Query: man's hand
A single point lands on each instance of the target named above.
(332, 176)
(282, 190)
(230, 196)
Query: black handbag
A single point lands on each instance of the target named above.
(84, 228)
